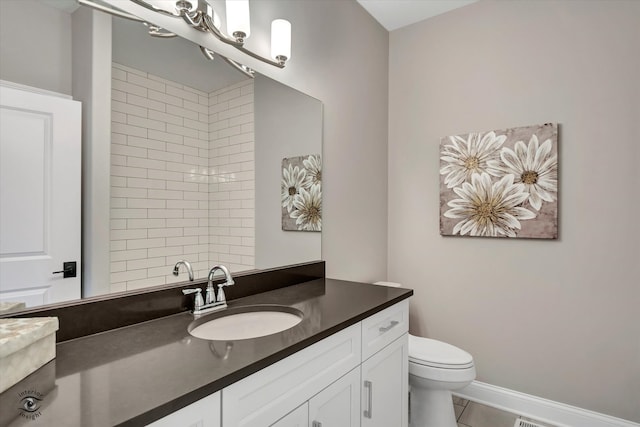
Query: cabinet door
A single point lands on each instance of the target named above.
(299, 417)
(337, 405)
(385, 384)
(265, 397)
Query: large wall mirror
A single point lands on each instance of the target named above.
(197, 152)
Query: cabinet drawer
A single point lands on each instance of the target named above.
(384, 327)
(266, 396)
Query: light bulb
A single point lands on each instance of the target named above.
(281, 40)
(238, 21)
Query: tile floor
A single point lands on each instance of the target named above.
(472, 414)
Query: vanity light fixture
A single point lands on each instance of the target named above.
(195, 18)
(201, 15)
(152, 29)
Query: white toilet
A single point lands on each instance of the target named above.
(435, 368)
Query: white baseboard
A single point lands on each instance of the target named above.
(547, 411)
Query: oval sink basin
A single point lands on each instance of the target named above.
(240, 323)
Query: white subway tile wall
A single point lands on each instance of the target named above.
(232, 176)
(182, 179)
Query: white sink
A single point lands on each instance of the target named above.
(242, 323)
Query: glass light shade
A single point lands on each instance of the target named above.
(281, 38)
(238, 17)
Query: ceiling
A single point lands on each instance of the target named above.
(391, 14)
(394, 14)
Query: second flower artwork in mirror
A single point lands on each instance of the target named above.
(500, 183)
(301, 193)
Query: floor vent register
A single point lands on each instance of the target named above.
(524, 423)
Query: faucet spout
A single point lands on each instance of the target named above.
(227, 276)
(187, 264)
(228, 281)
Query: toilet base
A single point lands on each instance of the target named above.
(431, 408)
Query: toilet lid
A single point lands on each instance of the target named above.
(430, 352)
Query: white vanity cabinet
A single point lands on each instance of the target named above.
(355, 377)
(268, 395)
(299, 417)
(385, 391)
(203, 413)
(385, 368)
(338, 404)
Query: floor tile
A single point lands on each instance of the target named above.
(458, 410)
(460, 401)
(477, 415)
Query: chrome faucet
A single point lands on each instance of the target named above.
(210, 302)
(187, 264)
(228, 281)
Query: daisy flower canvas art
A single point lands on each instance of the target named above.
(500, 183)
(301, 193)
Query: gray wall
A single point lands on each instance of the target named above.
(27, 48)
(92, 86)
(556, 319)
(287, 124)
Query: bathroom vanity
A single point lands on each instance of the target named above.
(354, 377)
(344, 364)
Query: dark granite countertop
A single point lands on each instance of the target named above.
(140, 373)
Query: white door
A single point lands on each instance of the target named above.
(40, 160)
(385, 380)
(339, 404)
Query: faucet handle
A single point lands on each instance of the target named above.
(221, 295)
(210, 296)
(199, 302)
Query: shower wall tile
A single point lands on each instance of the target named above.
(153, 169)
(231, 169)
(176, 152)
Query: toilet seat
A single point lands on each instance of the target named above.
(437, 354)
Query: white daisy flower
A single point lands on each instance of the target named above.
(489, 209)
(292, 181)
(313, 166)
(535, 167)
(308, 209)
(477, 154)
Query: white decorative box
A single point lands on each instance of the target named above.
(25, 345)
(10, 306)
